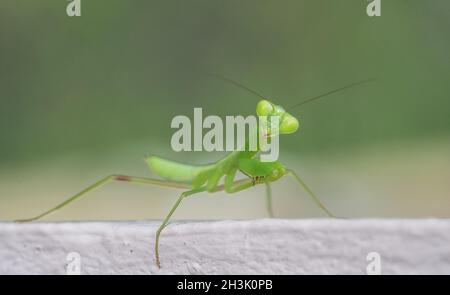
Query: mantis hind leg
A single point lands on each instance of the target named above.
(103, 181)
(310, 193)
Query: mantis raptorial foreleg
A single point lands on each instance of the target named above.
(310, 193)
(103, 181)
(230, 177)
(229, 188)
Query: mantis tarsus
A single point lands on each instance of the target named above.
(206, 178)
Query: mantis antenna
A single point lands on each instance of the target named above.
(240, 85)
(237, 84)
(330, 92)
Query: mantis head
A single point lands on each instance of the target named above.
(287, 123)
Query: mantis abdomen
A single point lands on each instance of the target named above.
(175, 171)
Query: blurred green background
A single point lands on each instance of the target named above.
(87, 96)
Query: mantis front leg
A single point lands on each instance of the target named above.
(231, 187)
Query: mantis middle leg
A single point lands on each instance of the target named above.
(229, 186)
(269, 199)
(166, 220)
(310, 193)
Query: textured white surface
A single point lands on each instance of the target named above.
(268, 246)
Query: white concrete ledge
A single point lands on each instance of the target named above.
(275, 246)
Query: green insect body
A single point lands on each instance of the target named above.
(242, 161)
(206, 178)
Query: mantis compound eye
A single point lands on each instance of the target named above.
(264, 108)
(289, 124)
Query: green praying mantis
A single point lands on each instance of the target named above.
(194, 179)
